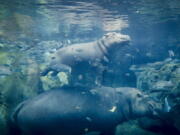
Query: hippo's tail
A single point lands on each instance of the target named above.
(13, 124)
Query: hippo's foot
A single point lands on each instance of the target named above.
(56, 69)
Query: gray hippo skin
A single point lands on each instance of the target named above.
(91, 53)
(68, 112)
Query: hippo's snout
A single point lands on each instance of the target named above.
(110, 40)
(154, 107)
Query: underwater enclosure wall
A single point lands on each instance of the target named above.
(94, 48)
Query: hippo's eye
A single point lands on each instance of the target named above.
(139, 95)
(106, 35)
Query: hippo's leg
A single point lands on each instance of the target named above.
(13, 128)
(56, 68)
(103, 73)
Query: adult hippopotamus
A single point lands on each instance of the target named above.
(69, 112)
(91, 54)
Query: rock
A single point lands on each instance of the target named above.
(162, 81)
(165, 125)
(2, 45)
(4, 70)
(20, 82)
(159, 76)
(50, 81)
(163, 85)
(173, 116)
(3, 118)
(132, 128)
(63, 78)
(5, 58)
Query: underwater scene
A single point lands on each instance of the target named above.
(89, 67)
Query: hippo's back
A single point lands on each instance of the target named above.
(66, 112)
(47, 112)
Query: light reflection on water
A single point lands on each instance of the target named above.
(85, 15)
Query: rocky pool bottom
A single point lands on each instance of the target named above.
(161, 80)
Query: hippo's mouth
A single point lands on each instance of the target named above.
(154, 108)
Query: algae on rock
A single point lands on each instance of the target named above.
(131, 127)
(3, 119)
(159, 76)
(162, 81)
(22, 82)
(49, 81)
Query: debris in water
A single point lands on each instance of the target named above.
(113, 109)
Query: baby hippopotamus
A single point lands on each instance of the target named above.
(68, 112)
(90, 54)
